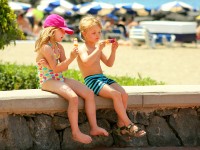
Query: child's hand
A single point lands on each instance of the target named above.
(108, 41)
(114, 45)
(101, 45)
(74, 52)
(44, 63)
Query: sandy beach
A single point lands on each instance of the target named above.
(178, 65)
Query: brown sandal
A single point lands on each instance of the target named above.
(131, 131)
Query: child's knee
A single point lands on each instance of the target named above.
(125, 95)
(116, 94)
(73, 100)
(89, 93)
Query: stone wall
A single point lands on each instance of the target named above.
(165, 127)
(35, 119)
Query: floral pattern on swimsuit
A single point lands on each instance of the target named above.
(45, 73)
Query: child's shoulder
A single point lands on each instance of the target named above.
(45, 47)
(82, 47)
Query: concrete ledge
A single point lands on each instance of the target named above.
(37, 101)
(167, 95)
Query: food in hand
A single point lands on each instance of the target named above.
(75, 40)
(110, 41)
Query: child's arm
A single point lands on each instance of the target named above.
(110, 61)
(72, 56)
(58, 67)
(44, 63)
(67, 60)
(89, 59)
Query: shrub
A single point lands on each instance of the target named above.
(8, 26)
(17, 77)
(139, 81)
(14, 77)
(122, 80)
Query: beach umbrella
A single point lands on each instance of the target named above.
(63, 4)
(45, 5)
(175, 6)
(131, 8)
(63, 11)
(99, 8)
(112, 16)
(57, 6)
(18, 6)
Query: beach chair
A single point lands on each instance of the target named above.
(138, 34)
(166, 39)
(116, 33)
(171, 40)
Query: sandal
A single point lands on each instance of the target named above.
(131, 131)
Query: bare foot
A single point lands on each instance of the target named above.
(99, 131)
(82, 138)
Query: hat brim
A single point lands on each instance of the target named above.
(67, 30)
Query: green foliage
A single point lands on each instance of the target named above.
(73, 74)
(8, 26)
(128, 81)
(122, 80)
(16, 77)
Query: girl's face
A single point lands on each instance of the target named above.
(59, 35)
(92, 34)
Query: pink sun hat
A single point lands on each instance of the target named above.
(55, 20)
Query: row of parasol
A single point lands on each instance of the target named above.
(64, 7)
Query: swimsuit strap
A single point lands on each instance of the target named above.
(57, 56)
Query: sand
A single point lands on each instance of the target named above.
(178, 65)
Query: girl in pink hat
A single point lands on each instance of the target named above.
(51, 60)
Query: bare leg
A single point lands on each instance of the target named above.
(124, 97)
(120, 108)
(90, 106)
(65, 91)
(108, 92)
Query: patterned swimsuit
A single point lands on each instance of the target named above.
(45, 73)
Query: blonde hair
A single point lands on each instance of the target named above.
(44, 37)
(88, 22)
